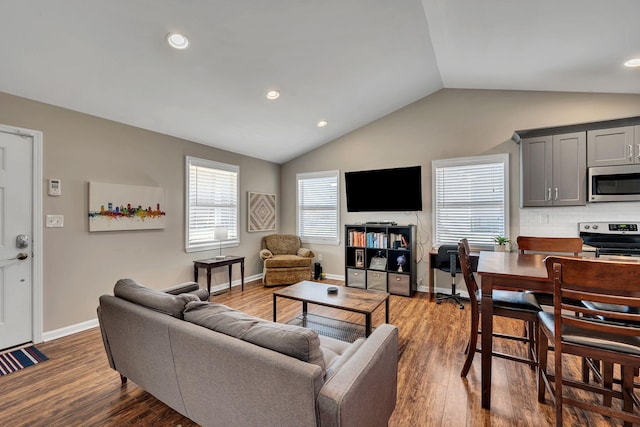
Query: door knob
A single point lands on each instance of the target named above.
(20, 256)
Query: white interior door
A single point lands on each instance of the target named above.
(16, 240)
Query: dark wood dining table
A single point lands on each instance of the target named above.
(511, 271)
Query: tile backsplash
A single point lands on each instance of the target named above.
(562, 221)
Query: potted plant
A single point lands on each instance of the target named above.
(501, 243)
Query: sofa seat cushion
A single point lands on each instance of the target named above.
(132, 291)
(294, 341)
(287, 261)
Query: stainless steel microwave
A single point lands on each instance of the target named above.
(614, 183)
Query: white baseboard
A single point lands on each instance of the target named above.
(225, 285)
(69, 330)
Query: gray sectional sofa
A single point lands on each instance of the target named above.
(222, 367)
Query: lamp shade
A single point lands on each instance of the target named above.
(220, 233)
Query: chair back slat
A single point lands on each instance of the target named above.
(467, 270)
(607, 327)
(602, 297)
(569, 245)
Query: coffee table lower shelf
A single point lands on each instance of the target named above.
(332, 328)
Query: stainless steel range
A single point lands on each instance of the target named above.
(611, 238)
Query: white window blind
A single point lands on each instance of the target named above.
(471, 199)
(317, 202)
(212, 201)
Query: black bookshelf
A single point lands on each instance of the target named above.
(374, 254)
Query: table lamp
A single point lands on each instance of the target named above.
(220, 234)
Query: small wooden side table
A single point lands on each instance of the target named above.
(212, 263)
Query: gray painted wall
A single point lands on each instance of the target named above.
(79, 266)
(450, 123)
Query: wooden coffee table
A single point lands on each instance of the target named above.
(348, 299)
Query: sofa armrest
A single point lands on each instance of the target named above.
(306, 253)
(181, 288)
(363, 391)
(265, 254)
(188, 288)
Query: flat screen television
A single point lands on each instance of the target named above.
(384, 190)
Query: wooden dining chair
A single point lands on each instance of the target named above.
(568, 245)
(511, 304)
(549, 245)
(615, 340)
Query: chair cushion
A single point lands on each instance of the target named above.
(294, 341)
(285, 261)
(170, 304)
(513, 300)
(575, 335)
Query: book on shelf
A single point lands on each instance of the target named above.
(356, 238)
(377, 240)
(397, 237)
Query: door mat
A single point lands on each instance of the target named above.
(15, 360)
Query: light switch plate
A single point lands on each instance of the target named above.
(55, 221)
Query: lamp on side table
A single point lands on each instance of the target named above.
(220, 234)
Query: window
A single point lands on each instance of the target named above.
(317, 202)
(471, 199)
(212, 201)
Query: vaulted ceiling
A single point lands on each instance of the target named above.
(348, 62)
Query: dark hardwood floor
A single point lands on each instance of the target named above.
(76, 387)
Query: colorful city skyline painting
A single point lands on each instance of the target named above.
(114, 207)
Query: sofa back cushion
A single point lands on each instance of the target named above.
(281, 244)
(294, 341)
(173, 305)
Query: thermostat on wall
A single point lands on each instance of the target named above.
(55, 187)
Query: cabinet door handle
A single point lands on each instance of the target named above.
(630, 151)
(556, 191)
(548, 194)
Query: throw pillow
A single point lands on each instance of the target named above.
(294, 341)
(132, 291)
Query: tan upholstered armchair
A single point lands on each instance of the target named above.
(285, 262)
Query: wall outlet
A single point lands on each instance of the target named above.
(55, 221)
(320, 257)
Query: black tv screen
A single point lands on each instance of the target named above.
(384, 190)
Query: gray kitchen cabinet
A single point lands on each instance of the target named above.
(613, 147)
(554, 170)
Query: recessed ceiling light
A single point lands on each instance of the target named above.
(273, 94)
(635, 62)
(322, 123)
(177, 40)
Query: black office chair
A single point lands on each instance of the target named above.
(447, 261)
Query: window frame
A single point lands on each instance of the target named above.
(469, 161)
(235, 233)
(335, 239)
